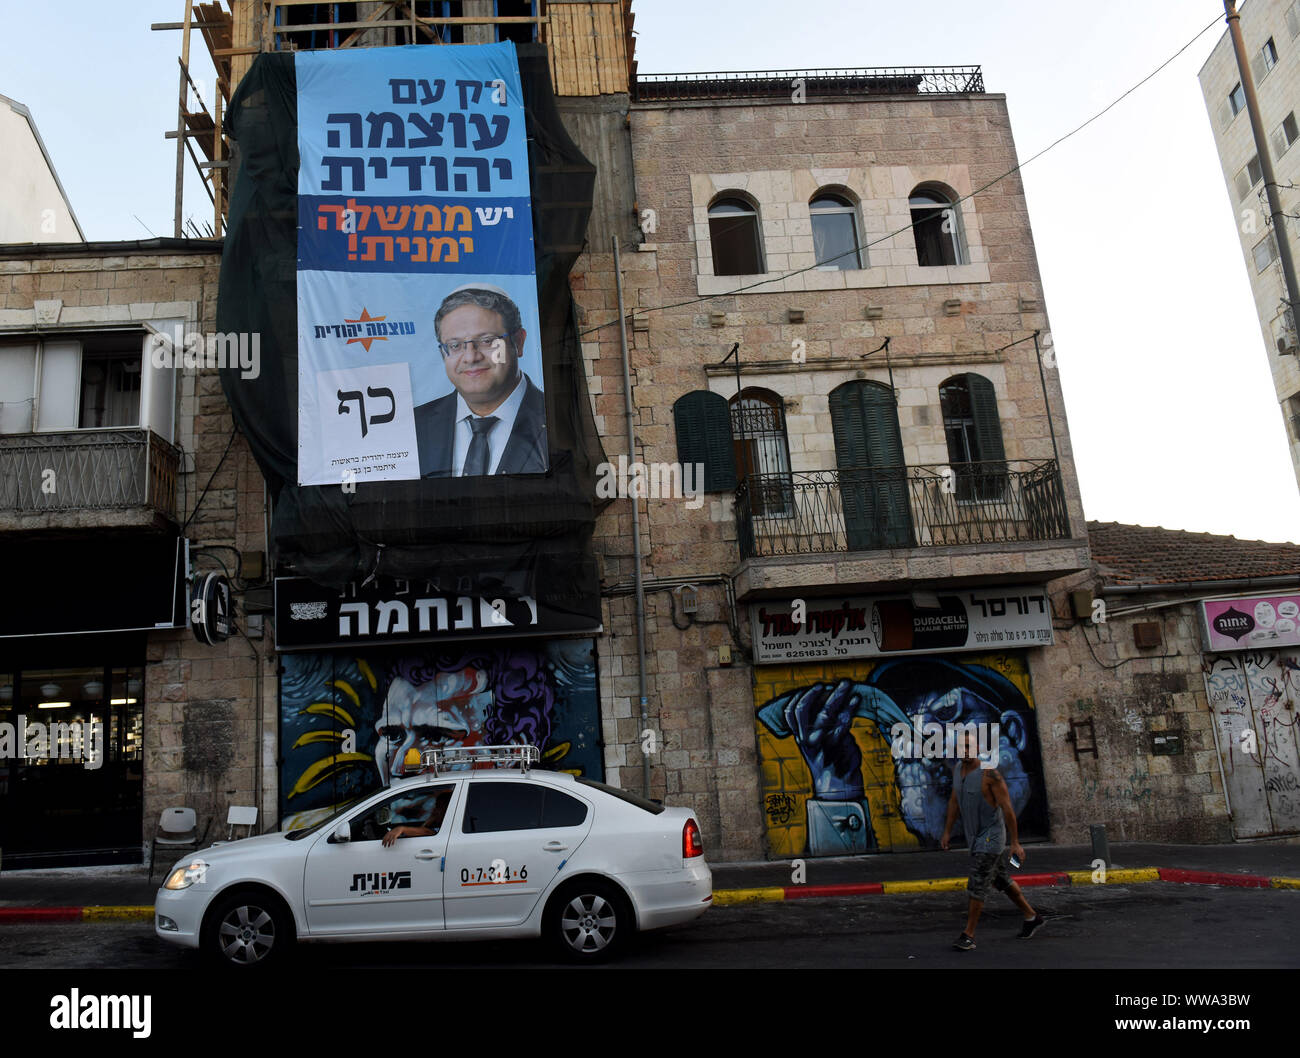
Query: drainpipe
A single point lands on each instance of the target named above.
(1202, 587)
(636, 521)
(1047, 402)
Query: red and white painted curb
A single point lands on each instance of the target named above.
(780, 893)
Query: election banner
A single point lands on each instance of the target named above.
(418, 327)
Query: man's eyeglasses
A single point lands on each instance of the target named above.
(484, 343)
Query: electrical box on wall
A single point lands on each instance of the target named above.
(1081, 604)
(688, 597)
(1146, 635)
(1166, 744)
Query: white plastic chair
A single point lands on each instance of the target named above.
(178, 828)
(240, 816)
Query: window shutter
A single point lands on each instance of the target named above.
(1225, 115)
(988, 425)
(703, 423)
(1258, 68)
(1293, 20)
(864, 420)
(1242, 184)
(849, 428)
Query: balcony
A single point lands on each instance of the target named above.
(87, 479)
(876, 527)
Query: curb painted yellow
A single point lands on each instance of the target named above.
(1117, 876)
(728, 897)
(119, 912)
(942, 885)
(1285, 883)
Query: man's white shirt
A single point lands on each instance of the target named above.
(498, 436)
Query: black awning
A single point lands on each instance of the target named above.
(99, 583)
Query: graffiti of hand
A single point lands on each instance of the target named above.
(821, 718)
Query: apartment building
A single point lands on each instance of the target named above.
(1271, 32)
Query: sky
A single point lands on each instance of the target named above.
(1172, 413)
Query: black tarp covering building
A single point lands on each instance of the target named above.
(501, 536)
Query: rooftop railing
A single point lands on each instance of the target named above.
(766, 84)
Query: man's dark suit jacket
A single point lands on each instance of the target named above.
(525, 452)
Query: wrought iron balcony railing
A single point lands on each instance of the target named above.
(767, 84)
(887, 508)
(114, 469)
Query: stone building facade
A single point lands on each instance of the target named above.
(97, 492)
(1144, 719)
(803, 334)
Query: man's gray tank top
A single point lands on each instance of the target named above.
(985, 830)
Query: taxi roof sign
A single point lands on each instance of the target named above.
(449, 758)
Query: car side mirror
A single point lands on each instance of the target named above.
(342, 834)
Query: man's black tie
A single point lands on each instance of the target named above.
(476, 460)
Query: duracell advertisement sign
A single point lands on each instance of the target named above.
(874, 626)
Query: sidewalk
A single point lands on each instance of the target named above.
(1265, 864)
(83, 893)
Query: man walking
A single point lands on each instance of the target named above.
(980, 794)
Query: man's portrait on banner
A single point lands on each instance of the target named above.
(494, 419)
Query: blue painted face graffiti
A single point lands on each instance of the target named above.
(913, 695)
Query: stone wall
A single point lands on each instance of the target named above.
(1096, 673)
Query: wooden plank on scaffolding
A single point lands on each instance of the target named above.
(562, 54)
(587, 46)
(609, 50)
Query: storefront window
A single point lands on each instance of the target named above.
(71, 764)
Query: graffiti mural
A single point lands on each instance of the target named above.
(349, 719)
(1253, 697)
(832, 782)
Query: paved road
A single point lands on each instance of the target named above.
(1137, 927)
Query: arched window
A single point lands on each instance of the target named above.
(974, 434)
(734, 232)
(762, 451)
(835, 232)
(872, 472)
(936, 227)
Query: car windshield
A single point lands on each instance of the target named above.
(302, 832)
(652, 807)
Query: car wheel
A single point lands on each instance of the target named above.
(589, 921)
(248, 929)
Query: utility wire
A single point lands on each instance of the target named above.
(885, 238)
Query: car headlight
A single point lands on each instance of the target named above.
(184, 877)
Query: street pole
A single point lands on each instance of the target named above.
(1276, 216)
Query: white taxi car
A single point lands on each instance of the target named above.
(450, 855)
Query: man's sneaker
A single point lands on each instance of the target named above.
(964, 943)
(1031, 926)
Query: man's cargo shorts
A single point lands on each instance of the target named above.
(986, 868)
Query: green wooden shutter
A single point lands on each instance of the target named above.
(869, 455)
(703, 422)
(991, 476)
